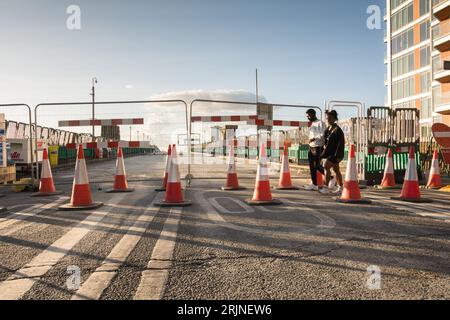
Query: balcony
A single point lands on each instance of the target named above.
(442, 103)
(441, 71)
(442, 36)
(441, 9)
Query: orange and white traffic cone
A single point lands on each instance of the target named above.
(81, 198)
(46, 185)
(120, 179)
(388, 181)
(411, 189)
(166, 170)
(285, 182)
(435, 181)
(263, 194)
(174, 194)
(351, 192)
(232, 177)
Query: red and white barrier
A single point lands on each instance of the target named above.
(107, 122)
(111, 145)
(278, 123)
(224, 119)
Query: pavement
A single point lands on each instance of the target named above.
(310, 247)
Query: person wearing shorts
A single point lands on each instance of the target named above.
(333, 152)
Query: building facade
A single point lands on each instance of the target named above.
(418, 46)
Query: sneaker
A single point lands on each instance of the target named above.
(312, 187)
(325, 191)
(338, 191)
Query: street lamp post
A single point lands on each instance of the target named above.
(94, 82)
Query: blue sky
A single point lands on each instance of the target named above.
(306, 51)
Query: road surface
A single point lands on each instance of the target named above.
(219, 248)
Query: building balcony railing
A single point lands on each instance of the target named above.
(441, 9)
(441, 70)
(442, 36)
(442, 103)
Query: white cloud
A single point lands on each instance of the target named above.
(214, 108)
(129, 86)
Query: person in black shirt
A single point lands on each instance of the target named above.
(334, 150)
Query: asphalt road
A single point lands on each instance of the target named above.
(310, 247)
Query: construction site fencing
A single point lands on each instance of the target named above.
(160, 122)
(245, 126)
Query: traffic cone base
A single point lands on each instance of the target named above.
(273, 202)
(69, 207)
(164, 204)
(286, 188)
(128, 190)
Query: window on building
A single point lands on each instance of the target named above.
(425, 56)
(424, 7)
(425, 108)
(403, 17)
(425, 82)
(403, 64)
(396, 3)
(403, 88)
(403, 41)
(424, 31)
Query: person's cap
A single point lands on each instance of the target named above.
(333, 113)
(311, 112)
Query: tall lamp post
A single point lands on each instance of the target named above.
(94, 82)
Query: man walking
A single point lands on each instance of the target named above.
(316, 143)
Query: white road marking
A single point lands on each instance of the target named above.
(218, 206)
(421, 209)
(154, 279)
(101, 278)
(14, 218)
(19, 283)
(212, 214)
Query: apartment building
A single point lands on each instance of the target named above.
(418, 46)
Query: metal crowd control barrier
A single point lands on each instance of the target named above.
(252, 141)
(361, 142)
(33, 178)
(112, 103)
